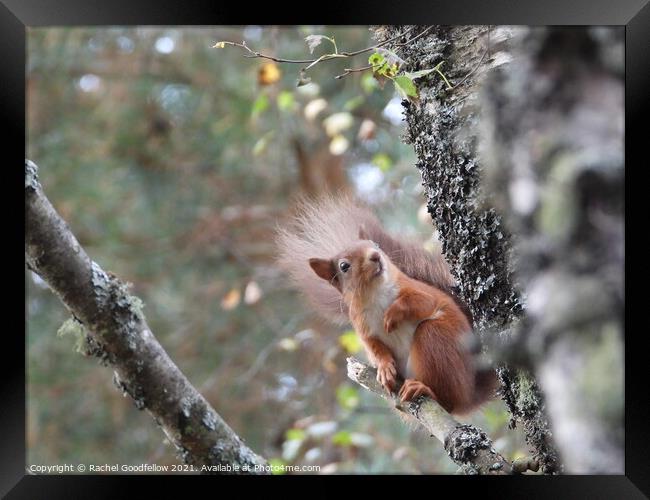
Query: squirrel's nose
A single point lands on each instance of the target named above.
(374, 257)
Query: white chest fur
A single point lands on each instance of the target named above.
(399, 340)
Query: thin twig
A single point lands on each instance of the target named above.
(326, 57)
(255, 54)
(347, 71)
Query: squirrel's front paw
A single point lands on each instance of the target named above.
(392, 319)
(387, 375)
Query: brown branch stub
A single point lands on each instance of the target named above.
(119, 335)
(467, 445)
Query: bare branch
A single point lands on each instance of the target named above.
(252, 53)
(116, 332)
(326, 57)
(347, 71)
(466, 445)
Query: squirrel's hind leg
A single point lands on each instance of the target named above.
(437, 361)
(414, 388)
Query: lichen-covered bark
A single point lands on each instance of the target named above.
(467, 445)
(443, 127)
(442, 130)
(114, 329)
(554, 165)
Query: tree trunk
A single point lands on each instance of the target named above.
(551, 172)
(443, 127)
(554, 124)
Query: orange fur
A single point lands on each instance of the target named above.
(397, 296)
(327, 225)
(408, 328)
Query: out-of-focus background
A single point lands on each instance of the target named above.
(172, 162)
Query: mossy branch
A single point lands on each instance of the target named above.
(116, 332)
(467, 445)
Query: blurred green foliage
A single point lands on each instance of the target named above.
(172, 164)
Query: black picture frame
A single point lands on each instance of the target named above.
(17, 15)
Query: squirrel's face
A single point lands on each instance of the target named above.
(359, 266)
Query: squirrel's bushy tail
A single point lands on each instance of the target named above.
(486, 383)
(328, 225)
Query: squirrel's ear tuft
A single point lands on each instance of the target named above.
(363, 234)
(323, 268)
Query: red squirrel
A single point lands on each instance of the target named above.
(397, 297)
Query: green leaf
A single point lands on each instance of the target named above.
(384, 66)
(405, 86)
(390, 70)
(277, 465)
(342, 438)
(390, 57)
(376, 60)
(295, 435)
(260, 105)
(347, 397)
(383, 161)
(350, 342)
(286, 101)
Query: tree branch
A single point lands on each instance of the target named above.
(115, 330)
(325, 57)
(347, 71)
(466, 445)
(573, 274)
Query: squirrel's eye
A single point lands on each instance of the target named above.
(344, 266)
